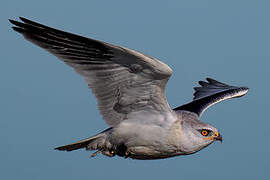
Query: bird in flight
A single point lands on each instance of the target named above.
(130, 90)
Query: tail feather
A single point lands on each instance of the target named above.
(77, 145)
(91, 143)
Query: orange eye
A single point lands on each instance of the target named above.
(204, 132)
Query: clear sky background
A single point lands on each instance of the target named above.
(44, 104)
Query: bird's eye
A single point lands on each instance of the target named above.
(205, 132)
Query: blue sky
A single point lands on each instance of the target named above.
(45, 104)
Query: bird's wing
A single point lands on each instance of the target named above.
(122, 79)
(210, 93)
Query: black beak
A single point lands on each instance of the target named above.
(218, 138)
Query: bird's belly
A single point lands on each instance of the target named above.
(146, 153)
(144, 141)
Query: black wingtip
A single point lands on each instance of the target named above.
(22, 18)
(244, 88)
(17, 26)
(27, 21)
(202, 83)
(24, 26)
(213, 81)
(19, 30)
(12, 21)
(209, 79)
(17, 23)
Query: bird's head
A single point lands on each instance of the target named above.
(197, 135)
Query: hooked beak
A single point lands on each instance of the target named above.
(218, 137)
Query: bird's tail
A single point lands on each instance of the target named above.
(91, 143)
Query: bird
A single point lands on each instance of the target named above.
(130, 90)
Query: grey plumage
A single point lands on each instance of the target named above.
(130, 90)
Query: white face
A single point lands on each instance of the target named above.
(198, 135)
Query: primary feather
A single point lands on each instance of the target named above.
(210, 93)
(122, 80)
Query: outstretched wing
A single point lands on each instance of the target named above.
(122, 80)
(210, 93)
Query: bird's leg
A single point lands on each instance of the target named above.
(95, 153)
(126, 154)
